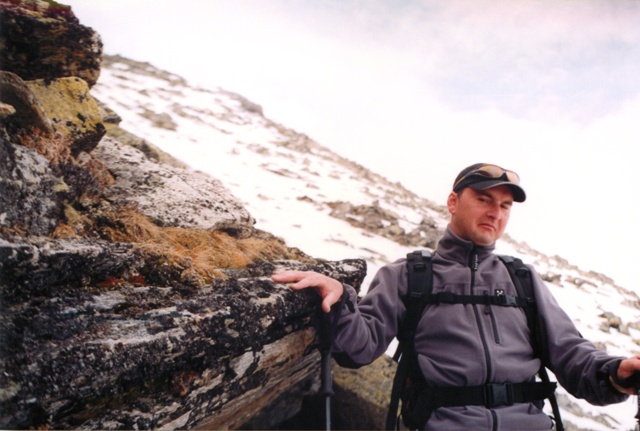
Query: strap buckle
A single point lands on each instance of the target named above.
(498, 394)
(506, 300)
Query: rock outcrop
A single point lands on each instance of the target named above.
(44, 40)
(124, 354)
(72, 110)
(133, 293)
(26, 110)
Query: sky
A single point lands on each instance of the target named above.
(418, 90)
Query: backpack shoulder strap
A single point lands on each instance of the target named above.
(521, 277)
(517, 270)
(419, 286)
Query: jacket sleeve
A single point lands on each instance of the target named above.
(580, 367)
(364, 331)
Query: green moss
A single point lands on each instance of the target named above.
(57, 5)
(58, 10)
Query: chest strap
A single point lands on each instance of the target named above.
(489, 395)
(501, 300)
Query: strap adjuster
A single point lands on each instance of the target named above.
(507, 300)
(498, 394)
(420, 267)
(446, 297)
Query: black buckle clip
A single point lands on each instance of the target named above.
(498, 394)
(507, 300)
(421, 267)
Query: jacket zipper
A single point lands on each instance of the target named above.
(473, 264)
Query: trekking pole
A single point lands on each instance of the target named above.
(637, 390)
(326, 332)
(327, 323)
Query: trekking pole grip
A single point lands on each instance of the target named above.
(325, 342)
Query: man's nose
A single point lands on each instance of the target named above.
(495, 212)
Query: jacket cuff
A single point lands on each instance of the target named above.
(612, 374)
(629, 382)
(346, 300)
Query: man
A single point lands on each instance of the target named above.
(464, 345)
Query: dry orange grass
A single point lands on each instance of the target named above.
(56, 148)
(199, 254)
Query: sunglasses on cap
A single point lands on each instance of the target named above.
(490, 171)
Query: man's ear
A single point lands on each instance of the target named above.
(452, 202)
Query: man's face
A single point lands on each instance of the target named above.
(480, 216)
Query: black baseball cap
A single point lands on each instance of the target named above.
(482, 176)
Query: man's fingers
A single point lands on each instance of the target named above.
(326, 305)
(289, 276)
(331, 298)
(302, 279)
(329, 289)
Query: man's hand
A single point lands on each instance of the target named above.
(329, 289)
(628, 367)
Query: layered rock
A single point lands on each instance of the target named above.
(123, 354)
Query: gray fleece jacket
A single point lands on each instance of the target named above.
(469, 345)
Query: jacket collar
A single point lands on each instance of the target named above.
(452, 247)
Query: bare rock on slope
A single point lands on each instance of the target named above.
(171, 196)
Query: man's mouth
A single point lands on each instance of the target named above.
(488, 226)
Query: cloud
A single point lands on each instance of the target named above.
(543, 60)
(573, 60)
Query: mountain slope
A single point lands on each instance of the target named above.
(334, 208)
